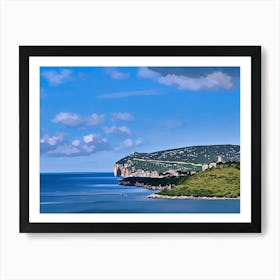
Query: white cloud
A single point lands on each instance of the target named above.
(48, 143)
(90, 138)
(219, 78)
(116, 74)
(95, 119)
(117, 130)
(145, 72)
(68, 119)
(52, 141)
(212, 81)
(121, 116)
(73, 120)
(76, 143)
(56, 78)
(123, 94)
(91, 144)
(57, 146)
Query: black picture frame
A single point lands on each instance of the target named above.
(254, 52)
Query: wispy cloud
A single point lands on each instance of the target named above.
(65, 150)
(212, 81)
(114, 73)
(123, 94)
(139, 141)
(56, 78)
(68, 119)
(95, 119)
(173, 124)
(129, 143)
(145, 72)
(74, 120)
(121, 116)
(117, 130)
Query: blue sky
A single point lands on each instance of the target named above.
(90, 117)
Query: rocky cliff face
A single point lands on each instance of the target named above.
(120, 170)
(125, 170)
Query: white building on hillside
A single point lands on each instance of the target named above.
(220, 159)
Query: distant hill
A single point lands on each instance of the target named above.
(183, 159)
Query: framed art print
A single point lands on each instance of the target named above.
(140, 138)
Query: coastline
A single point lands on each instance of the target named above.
(159, 196)
(148, 183)
(141, 185)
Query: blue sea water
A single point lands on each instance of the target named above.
(100, 193)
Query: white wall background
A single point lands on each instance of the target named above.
(139, 256)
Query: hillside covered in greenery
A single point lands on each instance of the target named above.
(184, 159)
(222, 181)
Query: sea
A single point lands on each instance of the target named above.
(100, 193)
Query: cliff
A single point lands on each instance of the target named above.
(120, 170)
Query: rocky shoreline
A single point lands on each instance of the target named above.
(142, 185)
(158, 196)
(150, 183)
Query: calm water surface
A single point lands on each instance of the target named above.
(100, 193)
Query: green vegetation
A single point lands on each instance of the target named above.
(222, 181)
(184, 159)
